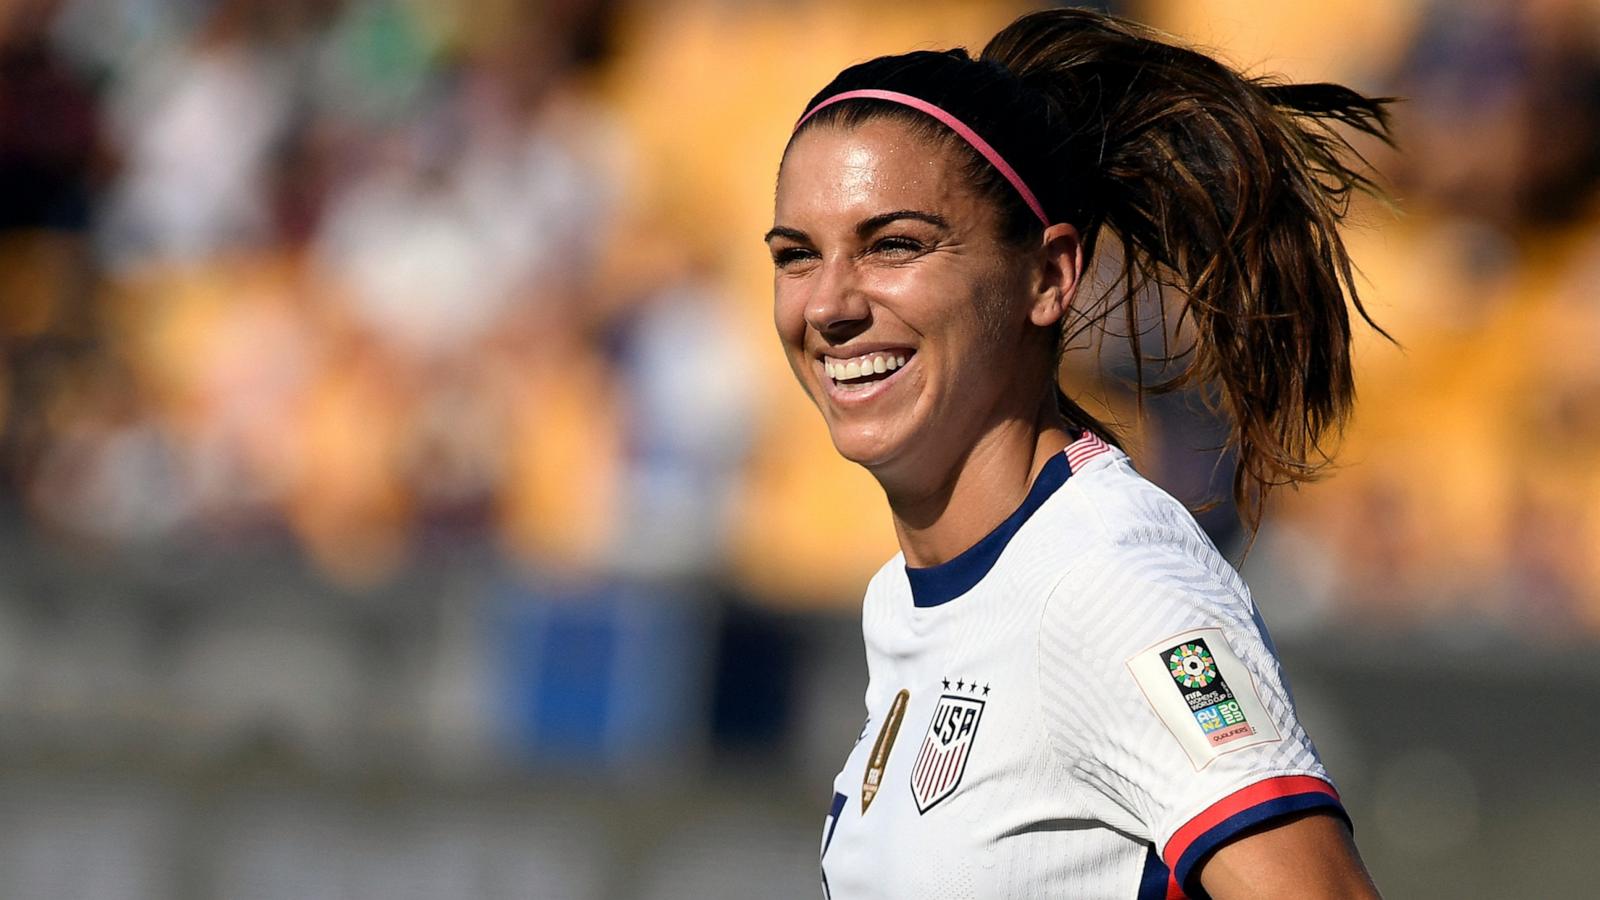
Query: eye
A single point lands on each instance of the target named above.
(898, 246)
(786, 256)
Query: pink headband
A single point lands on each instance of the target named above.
(955, 124)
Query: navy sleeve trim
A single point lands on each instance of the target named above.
(1240, 811)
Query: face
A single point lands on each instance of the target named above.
(901, 311)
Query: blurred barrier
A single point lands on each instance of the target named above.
(460, 736)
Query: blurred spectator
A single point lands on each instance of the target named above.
(51, 162)
(1502, 111)
(199, 126)
(688, 413)
(49, 127)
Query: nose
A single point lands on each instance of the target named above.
(838, 306)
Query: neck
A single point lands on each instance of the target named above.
(937, 520)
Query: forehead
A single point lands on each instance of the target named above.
(880, 165)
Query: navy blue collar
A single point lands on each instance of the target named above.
(934, 585)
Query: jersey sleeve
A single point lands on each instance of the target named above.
(1162, 693)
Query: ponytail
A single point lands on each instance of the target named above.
(1228, 189)
(1225, 189)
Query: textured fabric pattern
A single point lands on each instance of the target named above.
(1065, 776)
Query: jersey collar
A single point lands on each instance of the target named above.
(936, 585)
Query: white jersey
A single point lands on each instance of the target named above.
(1084, 704)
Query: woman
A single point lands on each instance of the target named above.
(1070, 692)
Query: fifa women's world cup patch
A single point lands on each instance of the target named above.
(946, 747)
(1203, 693)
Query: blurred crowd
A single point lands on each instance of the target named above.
(402, 492)
(332, 273)
(373, 280)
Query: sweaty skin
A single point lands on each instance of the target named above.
(880, 246)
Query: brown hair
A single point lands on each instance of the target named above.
(1226, 188)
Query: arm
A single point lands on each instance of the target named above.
(1208, 753)
(1311, 856)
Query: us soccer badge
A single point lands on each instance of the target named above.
(1203, 694)
(880, 750)
(945, 749)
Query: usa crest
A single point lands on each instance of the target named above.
(945, 750)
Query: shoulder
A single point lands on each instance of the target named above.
(1111, 528)
(1137, 573)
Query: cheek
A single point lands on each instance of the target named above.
(998, 308)
(788, 315)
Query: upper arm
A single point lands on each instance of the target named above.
(1311, 856)
(1202, 761)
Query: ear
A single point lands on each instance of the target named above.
(1060, 267)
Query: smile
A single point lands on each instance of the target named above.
(860, 377)
(862, 368)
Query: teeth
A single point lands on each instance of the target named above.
(875, 364)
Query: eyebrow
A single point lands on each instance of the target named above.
(873, 223)
(866, 226)
(793, 234)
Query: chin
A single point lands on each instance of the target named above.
(864, 447)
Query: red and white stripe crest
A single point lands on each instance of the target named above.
(1080, 451)
(945, 750)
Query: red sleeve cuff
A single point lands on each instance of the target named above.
(1243, 809)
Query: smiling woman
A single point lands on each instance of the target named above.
(923, 281)
(1099, 707)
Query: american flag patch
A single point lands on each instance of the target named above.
(1084, 449)
(945, 750)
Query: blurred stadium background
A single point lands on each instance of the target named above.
(402, 495)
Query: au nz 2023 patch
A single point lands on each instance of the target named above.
(1203, 693)
(1206, 692)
